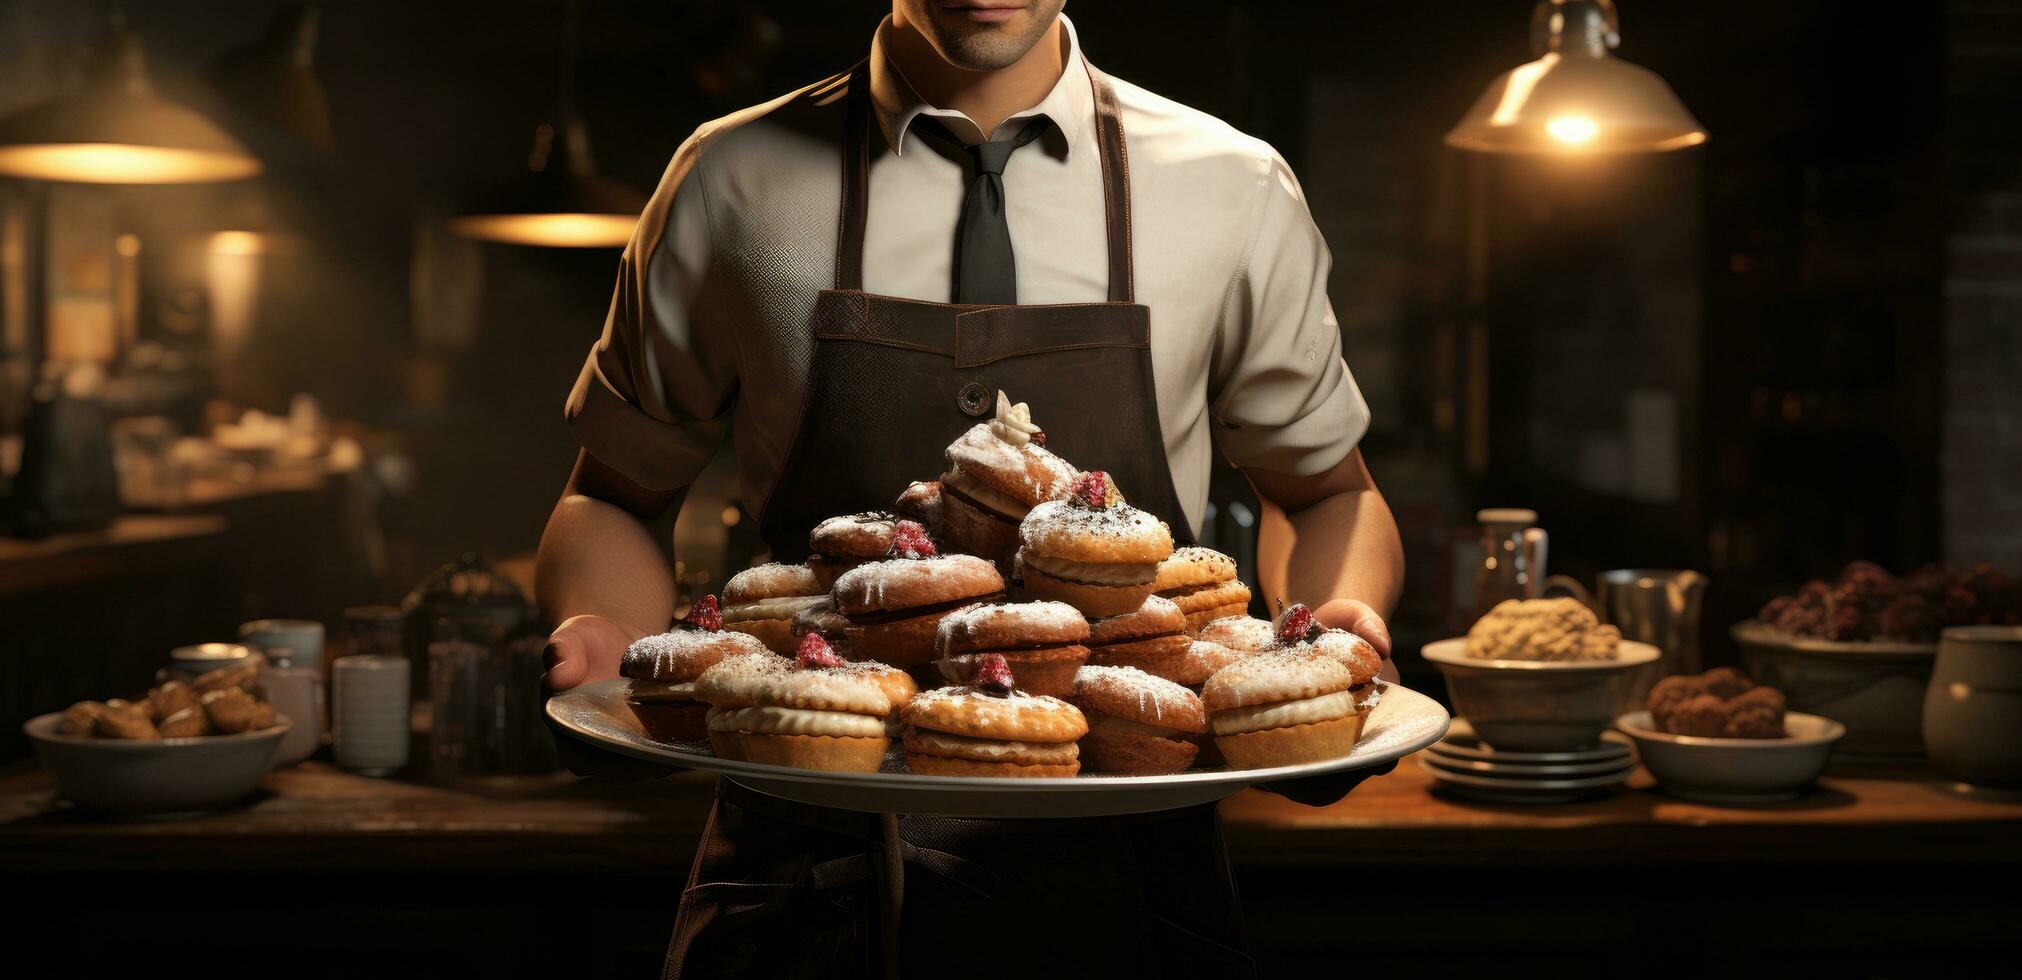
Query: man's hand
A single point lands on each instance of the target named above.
(1356, 617)
(584, 649)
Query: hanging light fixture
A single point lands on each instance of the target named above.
(1576, 97)
(562, 201)
(116, 130)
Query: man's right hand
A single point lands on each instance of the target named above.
(586, 648)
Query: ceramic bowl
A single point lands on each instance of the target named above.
(1538, 705)
(1875, 688)
(1735, 770)
(157, 778)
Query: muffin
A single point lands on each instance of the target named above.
(839, 544)
(1151, 638)
(663, 669)
(761, 601)
(1138, 724)
(730, 688)
(1202, 582)
(1092, 550)
(822, 713)
(997, 472)
(1041, 641)
(1282, 708)
(989, 728)
(894, 607)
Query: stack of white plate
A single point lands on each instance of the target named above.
(1466, 766)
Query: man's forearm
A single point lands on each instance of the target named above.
(598, 559)
(1344, 546)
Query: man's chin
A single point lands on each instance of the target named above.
(983, 47)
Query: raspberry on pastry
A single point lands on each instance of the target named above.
(1092, 550)
(1138, 724)
(1282, 708)
(991, 729)
(1203, 583)
(893, 608)
(762, 601)
(997, 472)
(663, 669)
(1298, 630)
(822, 713)
(1041, 642)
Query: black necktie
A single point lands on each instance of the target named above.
(985, 270)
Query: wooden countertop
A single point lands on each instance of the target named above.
(315, 817)
(132, 544)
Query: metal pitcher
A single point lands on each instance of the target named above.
(1655, 606)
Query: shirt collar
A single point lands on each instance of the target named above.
(1070, 105)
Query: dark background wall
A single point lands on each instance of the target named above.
(1733, 357)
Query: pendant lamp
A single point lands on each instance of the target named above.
(116, 130)
(562, 201)
(1577, 97)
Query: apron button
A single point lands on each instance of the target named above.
(973, 400)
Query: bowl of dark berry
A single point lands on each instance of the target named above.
(1859, 648)
(1720, 737)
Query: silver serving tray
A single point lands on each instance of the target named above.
(1402, 723)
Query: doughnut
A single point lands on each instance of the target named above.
(761, 601)
(1282, 708)
(733, 684)
(921, 501)
(1151, 638)
(1240, 633)
(822, 713)
(972, 731)
(663, 669)
(1041, 641)
(1093, 551)
(1138, 724)
(839, 544)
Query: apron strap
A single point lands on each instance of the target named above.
(858, 130)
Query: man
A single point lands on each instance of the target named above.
(837, 282)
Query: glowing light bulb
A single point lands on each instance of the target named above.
(1572, 130)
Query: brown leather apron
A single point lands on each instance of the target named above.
(787, 889)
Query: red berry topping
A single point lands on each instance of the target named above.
(1039, 437)
(815, 652)
(1094, 489)
(909, 540)
(705, 614)
(1296, 624)
(993, 674)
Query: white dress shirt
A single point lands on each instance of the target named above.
(708, 335)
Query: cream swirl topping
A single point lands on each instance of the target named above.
(1284, 714)
(1013, 423)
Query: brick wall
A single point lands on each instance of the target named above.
(1982, 436)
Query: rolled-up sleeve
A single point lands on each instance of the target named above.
(1280, 394)
(654, 397)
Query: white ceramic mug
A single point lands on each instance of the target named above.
(369, 696)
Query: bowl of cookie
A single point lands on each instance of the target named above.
(1719, 737)
(1540, 675)
(185, 748)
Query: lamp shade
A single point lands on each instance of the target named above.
(116, 130)
(1576, 97)
(561, 202)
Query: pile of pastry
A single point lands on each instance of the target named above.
(1015, 618)
(220, 702)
